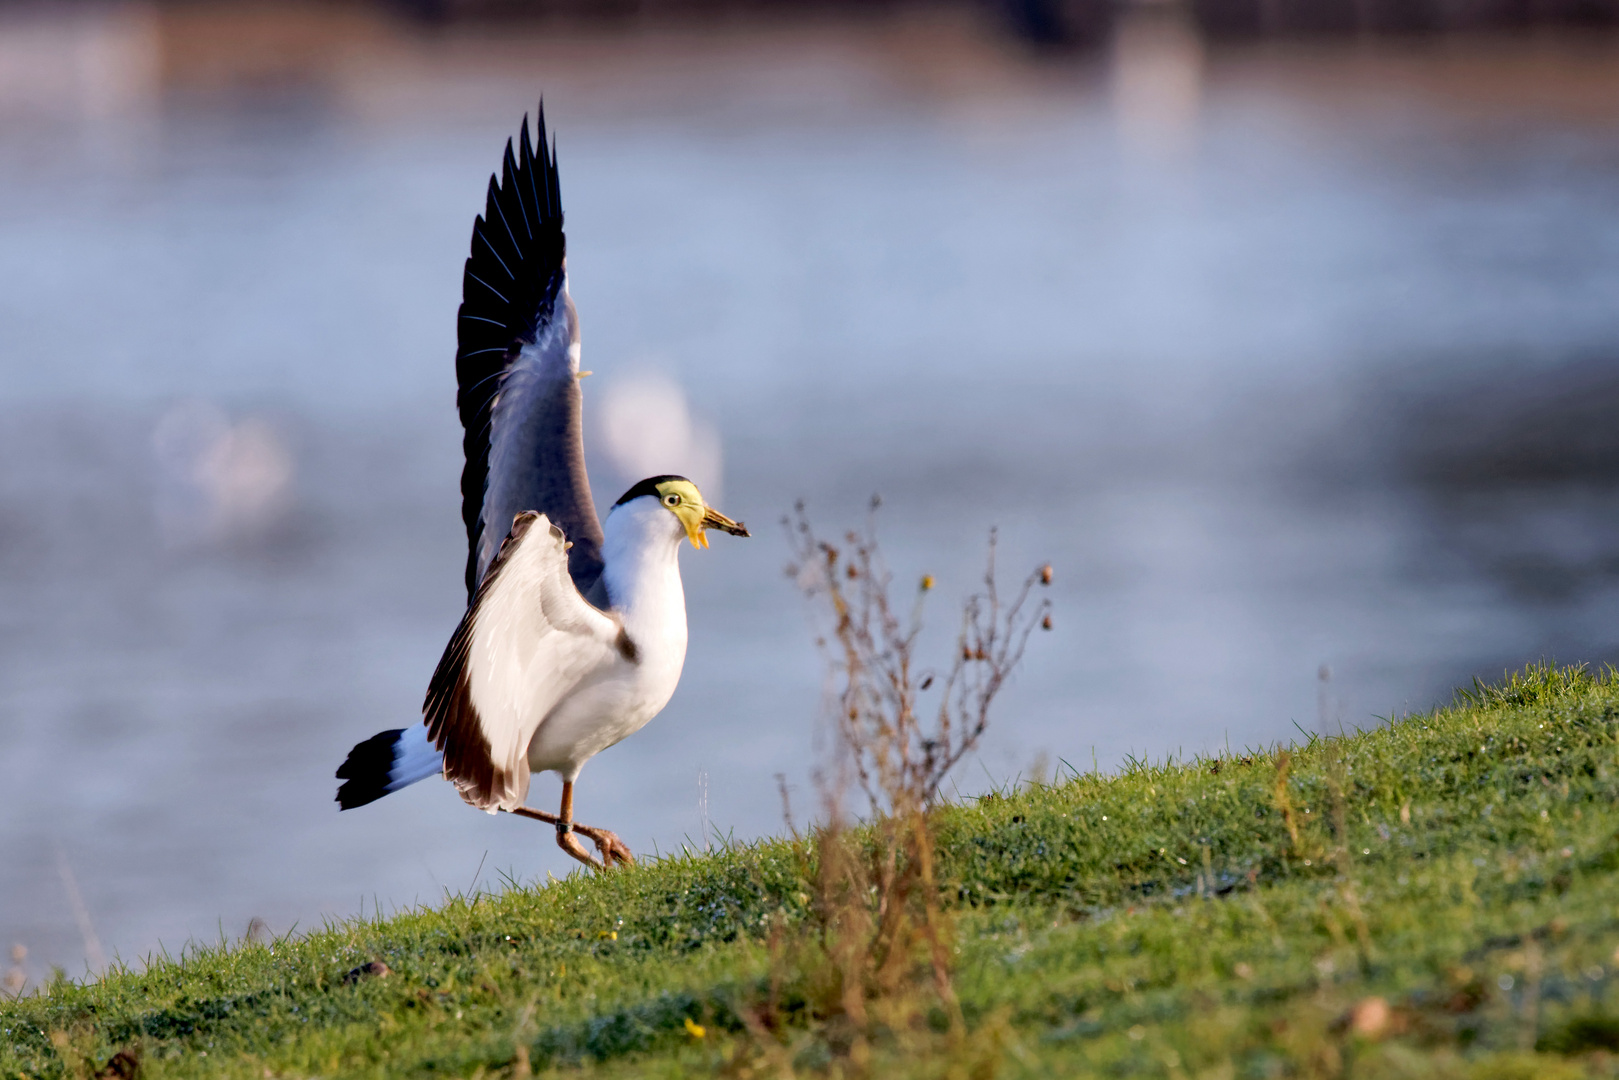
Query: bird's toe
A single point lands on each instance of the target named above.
(569, 842)
(613, 850)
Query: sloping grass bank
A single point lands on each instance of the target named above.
(1439, 897)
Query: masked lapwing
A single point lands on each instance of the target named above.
(575, 631)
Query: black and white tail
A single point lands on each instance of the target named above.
(387, 762)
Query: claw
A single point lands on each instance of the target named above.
(614, 851)
(568, 842)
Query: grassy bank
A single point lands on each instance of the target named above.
(1439, 897)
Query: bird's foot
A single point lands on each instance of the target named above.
(568, 840)
(614, 852)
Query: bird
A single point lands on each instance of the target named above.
(574, 635)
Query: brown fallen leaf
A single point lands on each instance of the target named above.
(376, 969)
(125, 1065)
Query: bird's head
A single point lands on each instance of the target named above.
(681, 498)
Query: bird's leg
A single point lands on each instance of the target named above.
(614, 851)
(565, 831)
(566, 840)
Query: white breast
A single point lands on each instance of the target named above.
(641, 551)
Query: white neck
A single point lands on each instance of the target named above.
(641, 548)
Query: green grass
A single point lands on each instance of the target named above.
(1461, 867)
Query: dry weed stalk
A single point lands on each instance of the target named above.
(876, 969)
(15, 977)
(871, 651)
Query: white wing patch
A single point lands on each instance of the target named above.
(533, 640)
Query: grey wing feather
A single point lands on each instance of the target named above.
(537, 453)
(518, 371)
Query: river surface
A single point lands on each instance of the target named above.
(1299, 362)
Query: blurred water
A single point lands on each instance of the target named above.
(1285, 356)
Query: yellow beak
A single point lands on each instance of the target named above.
(711, 519)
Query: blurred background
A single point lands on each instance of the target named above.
(1285, 329)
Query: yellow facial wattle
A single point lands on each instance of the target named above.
(682, 499)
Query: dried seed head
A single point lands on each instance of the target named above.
(852, 571)
(1045, 623)
(1045, 574)
(927, 681)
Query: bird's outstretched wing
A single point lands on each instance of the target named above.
(526, 642)
(517, 363)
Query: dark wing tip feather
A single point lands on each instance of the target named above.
(509, 178)
(508, 289)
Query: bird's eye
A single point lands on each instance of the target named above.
(671, 500)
